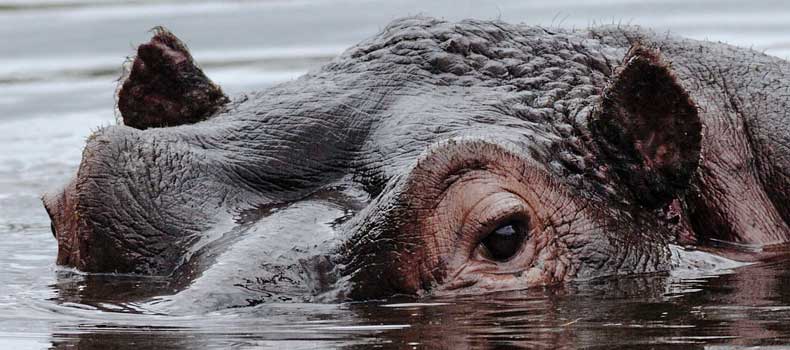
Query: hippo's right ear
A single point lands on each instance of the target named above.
(164, 87)
(648, 128)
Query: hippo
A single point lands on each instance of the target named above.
(435, 158)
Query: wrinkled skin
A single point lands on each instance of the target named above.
(447, 158)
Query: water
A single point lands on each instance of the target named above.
(58, 65)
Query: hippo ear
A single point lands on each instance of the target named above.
(164, 87)
(649, 128)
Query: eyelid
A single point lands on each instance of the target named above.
(493, 211)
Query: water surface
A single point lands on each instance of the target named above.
(58, 65)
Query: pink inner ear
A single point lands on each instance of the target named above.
(174, 56)
(658, 152)
(166, 88)
(665, 156)
(649, 128)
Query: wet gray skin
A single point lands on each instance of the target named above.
(435, 158)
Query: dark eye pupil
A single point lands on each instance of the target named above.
(504, 242)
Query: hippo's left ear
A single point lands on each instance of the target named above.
(649, 128)
(165, 87)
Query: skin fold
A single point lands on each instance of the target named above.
(435, 158)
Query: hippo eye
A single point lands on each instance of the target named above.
(505, 241)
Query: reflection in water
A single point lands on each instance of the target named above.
(743, 308)
(106, 292)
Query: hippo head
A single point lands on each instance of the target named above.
(433, 158)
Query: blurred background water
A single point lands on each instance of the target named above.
(59, 61)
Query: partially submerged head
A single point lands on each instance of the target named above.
(480, 174)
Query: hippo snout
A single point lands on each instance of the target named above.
(60, 207)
